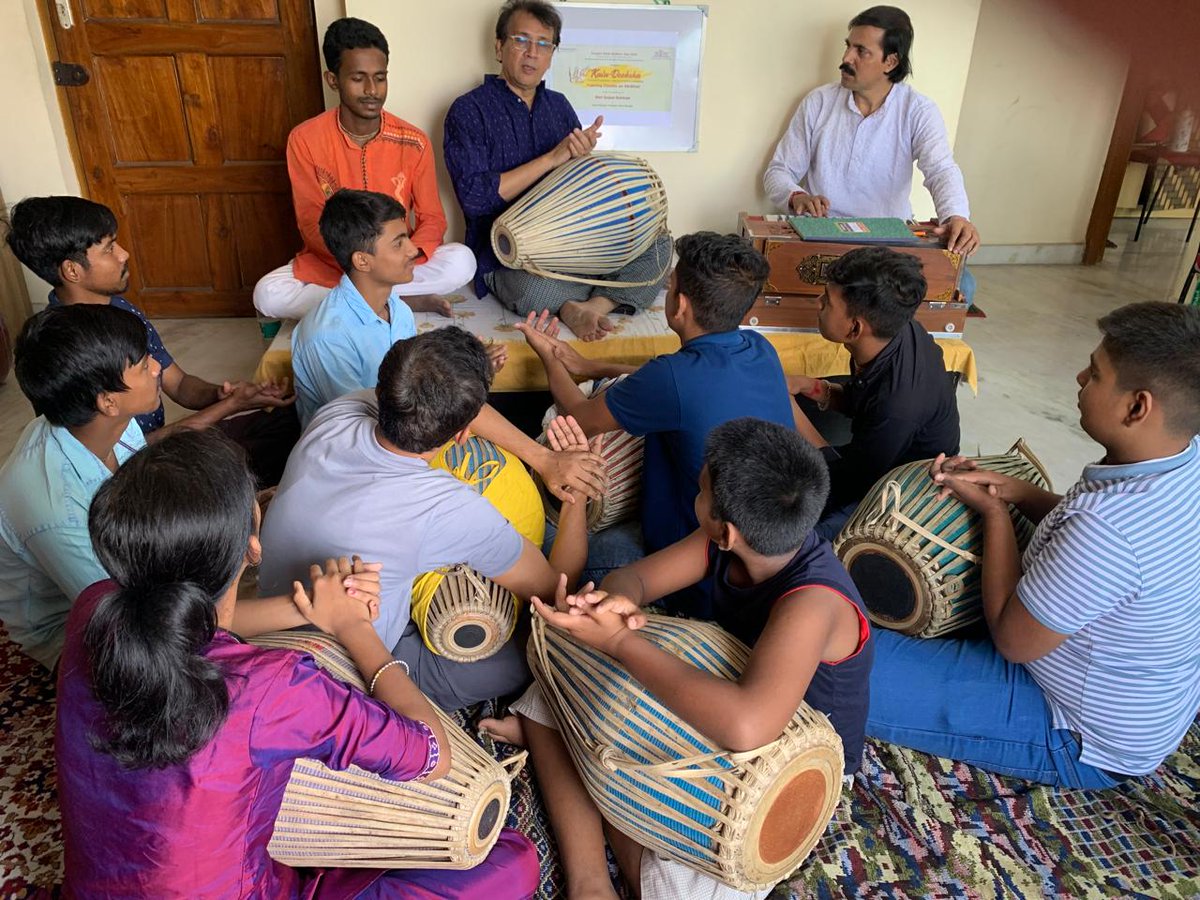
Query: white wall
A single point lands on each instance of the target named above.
(760, 58)
(1041, 99)
(35, 157)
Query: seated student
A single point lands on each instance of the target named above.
(361, 145)
(900, 398)
(1090, 673)
(776, 585)
(175, 740)
(363, 464)
(502, 138)
(86, 369)
(338, 346)
(71, 243)
(719, 373)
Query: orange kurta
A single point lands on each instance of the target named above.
(398, 162)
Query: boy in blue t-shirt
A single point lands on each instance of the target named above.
(720, 372)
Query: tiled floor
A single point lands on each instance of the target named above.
(1039, 330)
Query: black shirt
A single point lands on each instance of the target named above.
(902, 408)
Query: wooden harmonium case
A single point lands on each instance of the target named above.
(791, 295)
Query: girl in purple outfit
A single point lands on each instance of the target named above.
(175, 740)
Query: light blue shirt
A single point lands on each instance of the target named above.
(46, 557)
(1116, 566)
(338, 346)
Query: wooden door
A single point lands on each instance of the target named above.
(181, 129)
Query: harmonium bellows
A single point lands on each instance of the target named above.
(791, 295)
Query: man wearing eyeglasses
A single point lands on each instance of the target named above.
(503, 137)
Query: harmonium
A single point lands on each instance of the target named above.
(792, 292)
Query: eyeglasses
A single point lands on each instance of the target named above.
(523, 44)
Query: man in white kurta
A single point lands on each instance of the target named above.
(850, 147)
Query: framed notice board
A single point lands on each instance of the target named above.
(636, 65)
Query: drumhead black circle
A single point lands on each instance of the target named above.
(470, 636)
(487, 821)
(504, 244)
(885, 586)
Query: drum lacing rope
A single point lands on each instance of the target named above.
(892, 493)
(599, 282)
(614, 760)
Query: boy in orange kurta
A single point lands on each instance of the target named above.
(362, 146)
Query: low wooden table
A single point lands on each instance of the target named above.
(637, 339)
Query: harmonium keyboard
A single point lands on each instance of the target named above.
(791, 295)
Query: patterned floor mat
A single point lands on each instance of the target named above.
(912, 826)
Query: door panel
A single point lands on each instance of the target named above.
(182, 130)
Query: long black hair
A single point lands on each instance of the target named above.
(171, 527)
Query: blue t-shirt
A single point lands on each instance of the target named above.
(489, 131)
(676, 400)
(150, 421)
(339, 344)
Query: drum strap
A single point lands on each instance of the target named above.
(889, 508)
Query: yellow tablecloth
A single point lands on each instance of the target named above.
(637, 339)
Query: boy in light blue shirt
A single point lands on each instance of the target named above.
(87, 371)
(338, 346)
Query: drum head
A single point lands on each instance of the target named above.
(793, 814)
(895, 596)
(471, 636)
(487, 819)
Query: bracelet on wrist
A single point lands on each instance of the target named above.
(384, 668)
(824, 394)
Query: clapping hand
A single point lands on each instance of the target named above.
(603, 625)
(574, 468)
(344, 594)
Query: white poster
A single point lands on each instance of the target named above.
(638, 66)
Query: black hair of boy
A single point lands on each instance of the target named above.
(172, 527)
(880, 285)
(66, 356)
(543, 12)
(767, 481)
(352, 221)
(722, 276)
(431, 387)
(44, 232)
(1155, 346)
(350, 34)
(897, 36)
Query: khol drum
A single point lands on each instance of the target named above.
(622, 454)
(746, 819)
(590, 216)
(915, 558)
(354, 819)
(462, 615)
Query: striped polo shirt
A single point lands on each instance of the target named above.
(1116, 565)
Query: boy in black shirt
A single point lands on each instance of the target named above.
(900, 398)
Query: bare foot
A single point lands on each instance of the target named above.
(434, 303)
(587, 318)
(507, 729)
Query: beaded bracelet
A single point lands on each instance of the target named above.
(384, 668)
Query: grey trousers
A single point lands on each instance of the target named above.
(453, 685)
(524, 293)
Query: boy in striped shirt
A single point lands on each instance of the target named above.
(1090, 673)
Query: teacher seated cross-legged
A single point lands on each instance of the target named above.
(505, 136)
